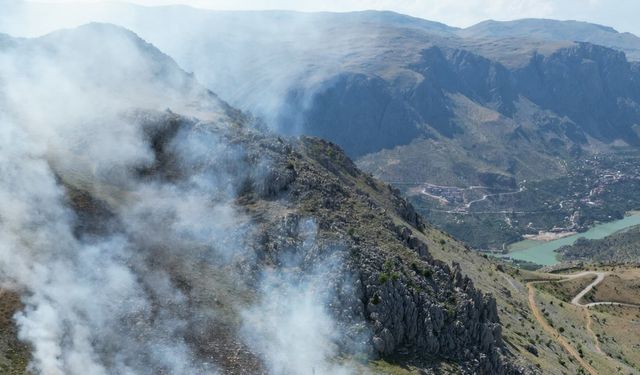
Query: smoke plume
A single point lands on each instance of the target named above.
(119, 224)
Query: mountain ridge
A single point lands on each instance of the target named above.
(550, 29)
(209, 226)
(525, 108)
(305, 231)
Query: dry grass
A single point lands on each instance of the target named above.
(621, 286)
(618, 330)
(566, 290)
(618, 345)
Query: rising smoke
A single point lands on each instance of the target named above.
(290, 324)
(271, 63)
(82, 115)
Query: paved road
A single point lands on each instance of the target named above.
(600, 276)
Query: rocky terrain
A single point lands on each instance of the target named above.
(387, 283)
(152, 228)
(215, 236)
(414, 101)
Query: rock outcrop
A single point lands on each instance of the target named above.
(412, 306)
(218, 218)
(391, 299)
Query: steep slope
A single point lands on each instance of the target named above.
(545, 29)
(372, 81)
(151, 233)
(416, 103)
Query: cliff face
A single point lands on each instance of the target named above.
(594, 87)
(546, 29)
(325, 225)
(151, 233)
(389, 115)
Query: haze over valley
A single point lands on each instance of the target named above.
(195, 191)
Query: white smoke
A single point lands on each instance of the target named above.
(84, 304)
(291, 328)
(92, 305)
(269, 63)
(290, 325)
(78, 110)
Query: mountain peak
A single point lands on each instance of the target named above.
(101, 58)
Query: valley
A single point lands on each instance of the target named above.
(551, 252)
(596, 189)
(188, 191)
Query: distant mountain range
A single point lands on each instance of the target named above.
(373, 81)
(412, 101)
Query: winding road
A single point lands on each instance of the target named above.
(600, 276)
(485, 196)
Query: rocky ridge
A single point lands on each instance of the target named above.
(413, 305)
(307, 212)
(390, 297)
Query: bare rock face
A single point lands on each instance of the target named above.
(321, 223)
(413, 306)
(408, 319)
(391, 299)
(595, 87)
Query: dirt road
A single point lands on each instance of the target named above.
(600, 276)
(553, 333)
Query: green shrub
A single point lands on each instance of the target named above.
(388, 265)
(383, 278)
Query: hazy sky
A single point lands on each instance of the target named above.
(621, 14)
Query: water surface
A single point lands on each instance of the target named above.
(542, 252)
